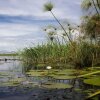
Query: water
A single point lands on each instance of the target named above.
(10, 70)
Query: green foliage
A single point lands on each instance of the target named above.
(78, 55)
(44, 54)
(86, 4)
(93, 95)
(91, 27)
(89, 74)
(37, 73)
(91, 22)
(93, 81)
(81, 54)
(56, 85)
(48, 6)
(92, 6)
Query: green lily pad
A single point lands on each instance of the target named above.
(13, 82)
(93, 81)
(37, 73)
(89, 91)
(63, 77)
(17, 80)
(9, 84)
(78, 89)
(51, 85)
(93, 95)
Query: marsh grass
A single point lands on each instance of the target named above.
(80, 56)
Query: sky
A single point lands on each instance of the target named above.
(22, 21)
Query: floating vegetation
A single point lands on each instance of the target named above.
(89, 74)
(9, 84)
(93, 81)
(4, 74)
(89, 91)
(66, 72)
(51, 85)
(63, 77)
(93, 95)
(63, 74)
(78, 89)
(37, 73)
(12, 82)
(17, 80)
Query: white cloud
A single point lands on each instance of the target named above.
(19, 34)
(62, 8)
(17, 29)
(6, 44)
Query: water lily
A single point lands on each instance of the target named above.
(48, 67)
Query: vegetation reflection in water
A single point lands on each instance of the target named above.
(56, 79)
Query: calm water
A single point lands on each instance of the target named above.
(10, 66)
(14, 69)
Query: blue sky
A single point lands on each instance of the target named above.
(22, 21)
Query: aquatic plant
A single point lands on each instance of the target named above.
(93, 81)
(78, 53)
(48, 7)
(52, 85)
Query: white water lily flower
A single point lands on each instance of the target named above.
(48, 67)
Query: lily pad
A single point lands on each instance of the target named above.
(37, 73)
(51, 85)
(78, 89)
(94, 95)
(93, 81)
(17, 80)
(63, 77)
(9, 84)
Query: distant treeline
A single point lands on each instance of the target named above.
(12, 54)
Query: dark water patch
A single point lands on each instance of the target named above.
(57, 94)
(40, 94)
